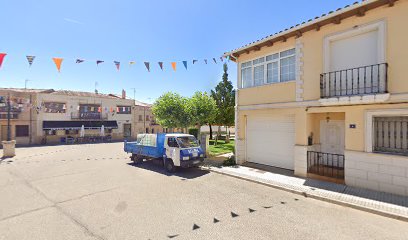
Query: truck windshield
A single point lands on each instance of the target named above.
(187, 142)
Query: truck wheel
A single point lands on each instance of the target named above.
(137, 159)
(169, 165)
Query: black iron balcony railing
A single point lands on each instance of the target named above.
(89, 116)
(355, 81)
(12, 115)
(325, 164)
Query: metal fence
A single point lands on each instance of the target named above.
(355, 81)
(391, 134)
(325, 164)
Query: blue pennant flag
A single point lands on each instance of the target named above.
(185, 64)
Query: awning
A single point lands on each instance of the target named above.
(76, 125)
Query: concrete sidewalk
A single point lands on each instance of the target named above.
(381, 203)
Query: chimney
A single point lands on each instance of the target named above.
(123, 94)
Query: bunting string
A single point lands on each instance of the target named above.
(58, 62)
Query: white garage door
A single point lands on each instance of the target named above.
(271, 139)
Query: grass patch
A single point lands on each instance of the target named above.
(221, 148)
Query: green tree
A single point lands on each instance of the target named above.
(202, 108)
(224, 96)
(170, 110)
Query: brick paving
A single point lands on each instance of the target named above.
(385, 204)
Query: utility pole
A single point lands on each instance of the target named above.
(25, 83)
(8, 118)
(134, 93)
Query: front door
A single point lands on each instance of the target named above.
(127, 130)
(332, 136)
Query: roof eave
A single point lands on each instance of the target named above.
(310, 25)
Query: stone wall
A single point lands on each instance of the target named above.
(380, 172)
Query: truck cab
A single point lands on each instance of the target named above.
(183, 150)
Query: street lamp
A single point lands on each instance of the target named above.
(9, 145)
(8, 118)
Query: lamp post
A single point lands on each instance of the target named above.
(8, 118)
(9, 145)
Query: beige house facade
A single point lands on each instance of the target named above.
(328, 98)
(62, 113)
(47, 116)
(23, 119)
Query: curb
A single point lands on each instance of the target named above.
(317, 197)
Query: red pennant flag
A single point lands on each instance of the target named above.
(161, 65)
(117, 64)
(2, 55)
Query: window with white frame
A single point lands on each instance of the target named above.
(246, 74)
(277, 67)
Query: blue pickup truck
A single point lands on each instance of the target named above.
(175, 149)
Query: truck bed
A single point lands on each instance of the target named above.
(147, 151)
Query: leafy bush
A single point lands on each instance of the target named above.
(193, 131)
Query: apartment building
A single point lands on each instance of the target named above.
(62, 113)
(144, 119)
(22, 115)
(328, 98)
(47, 116)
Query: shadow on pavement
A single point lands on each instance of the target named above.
(358, 192)
(315, 184)
(62, 144)
(260, 168)
(156, 166)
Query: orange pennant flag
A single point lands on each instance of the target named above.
(174, 65)
(58, 62)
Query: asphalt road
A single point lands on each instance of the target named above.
(94, 192)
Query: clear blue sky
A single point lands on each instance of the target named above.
(126, 30)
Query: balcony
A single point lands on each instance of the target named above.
(359, 81)
(14, 112)
(89, 116)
